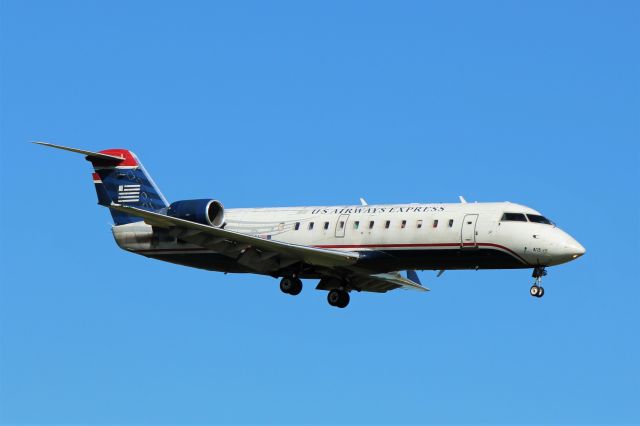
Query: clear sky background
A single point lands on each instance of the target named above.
(307, 103)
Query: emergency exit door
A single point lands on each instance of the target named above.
(341, 225)
(468, 233)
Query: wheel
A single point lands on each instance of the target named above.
(344, 300)
(540, 291)
(286, 285)
(534, 290)
(338, 298)
(333, 297)
(297, 287)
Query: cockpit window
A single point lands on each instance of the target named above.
(518, 217)
(536, 218)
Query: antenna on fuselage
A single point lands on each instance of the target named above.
(462, 200)
(363, 202)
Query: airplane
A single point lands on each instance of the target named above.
(347, 248)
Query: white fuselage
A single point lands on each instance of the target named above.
(390, 237)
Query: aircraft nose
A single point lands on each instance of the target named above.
(565, 248)
(575, 249)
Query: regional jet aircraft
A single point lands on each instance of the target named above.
(346, 248)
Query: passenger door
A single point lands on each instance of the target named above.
(341, 225)
(468, 233)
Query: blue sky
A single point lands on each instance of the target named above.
(290, 103)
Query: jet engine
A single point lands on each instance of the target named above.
(205, 211)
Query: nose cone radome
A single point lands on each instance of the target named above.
(567, 249)
(575, 250)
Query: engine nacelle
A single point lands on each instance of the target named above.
(206, 212)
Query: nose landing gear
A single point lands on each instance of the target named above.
(536, 289)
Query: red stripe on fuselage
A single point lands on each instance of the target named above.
(381, 246)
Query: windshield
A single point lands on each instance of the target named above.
(536, 218)
(518, 217)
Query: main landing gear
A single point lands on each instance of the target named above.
(338, 298)
(536, 289)
(291, 285)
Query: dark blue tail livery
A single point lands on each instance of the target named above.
(125, 182)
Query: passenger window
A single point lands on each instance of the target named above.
(387, 224)
(371, 224)
(356, 224)
(310, 226)
(450, 223)
(419, 224)
(326, 226)
(404, 224)
(342, 224)
(435, 223)
(297, 226)
(517, 217)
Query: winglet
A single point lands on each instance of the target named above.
(90, 154)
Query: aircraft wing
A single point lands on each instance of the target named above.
(399, 281)
(268, 256)
(377, 283)
(253, 252)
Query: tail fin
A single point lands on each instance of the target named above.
(119, 177)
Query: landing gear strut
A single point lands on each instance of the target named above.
(291, 285)
(536, 289)
(338, 298)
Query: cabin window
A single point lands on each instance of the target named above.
(342, 224)
(404, 224)
(310, 226)
(419, 224)
(536, 218)
(517, 217)
(450, 223)
(435, 223)
(326, 226)
(356, 224)
(297, 226)
(387, 224)
(371, 224)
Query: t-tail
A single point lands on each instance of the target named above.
(119, 177)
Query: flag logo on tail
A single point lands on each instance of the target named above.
(128, 193)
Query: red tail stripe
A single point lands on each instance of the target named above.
(129, 158)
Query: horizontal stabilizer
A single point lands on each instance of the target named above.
(90, 154)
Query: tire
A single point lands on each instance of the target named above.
(286, 285)
(344, 299)
(334, 297)
(534, 290)
(297, 287)
(541, 292)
